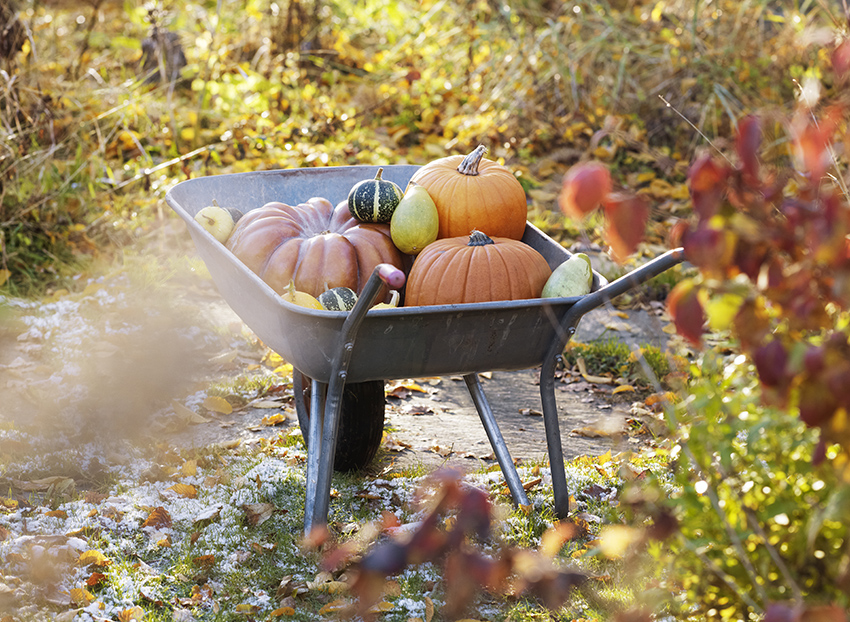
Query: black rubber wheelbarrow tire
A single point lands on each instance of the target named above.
(361, 421)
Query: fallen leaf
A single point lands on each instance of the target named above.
(189, 468)
(93, 558)
(275, 419)
(158, 518)
(282, 611)
(209, 515)
(218, 404)
(133, 614)
(258, 513)
(81, 596)
(184, 490)
(593, 432)
(95, 578)
(530, 412)
(532, 483)
(582, 367)
(623, 388)
(335, 606)
(381, 607)
(57, 514)
(187, 415)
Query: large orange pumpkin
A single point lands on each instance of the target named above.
(313, 244)
(475, 268)
(473, 192)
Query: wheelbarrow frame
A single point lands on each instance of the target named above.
(333, 348)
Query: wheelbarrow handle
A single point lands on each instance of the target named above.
(319, 478)
(628, 281)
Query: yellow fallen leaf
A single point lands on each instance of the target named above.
(134, 614)
(218, 405)
(57, 514)
(81, 597)
(623, 388)
(282, 611)
(582, 368)
(333, 587)
(187, 414)
(335, 606)
(189, 468)
(247, 608)
(381, 607)
(93, 558)
(4, 276)
(184, 490)
(271, 420)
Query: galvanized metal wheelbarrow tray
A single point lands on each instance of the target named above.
(334, 348)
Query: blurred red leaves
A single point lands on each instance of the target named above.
(626, 216)
(459, 519)
(707, 180)
(686, 311)
(584, 188)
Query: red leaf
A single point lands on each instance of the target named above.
(686, 311)
(771, 362)
(707, 248)
(747, 143)
(707, 181)
(626, 216)
(841, 60)
(817, 404)
(584, 188)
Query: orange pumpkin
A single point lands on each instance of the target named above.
(473, 192)
(476, 268)
(314, 245)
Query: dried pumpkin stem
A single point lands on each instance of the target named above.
(477, 238)
(470, 163)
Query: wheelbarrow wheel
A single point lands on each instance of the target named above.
(361, 421)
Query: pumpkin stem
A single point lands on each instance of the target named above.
(470, 163)
(477, 238)
(379, 173)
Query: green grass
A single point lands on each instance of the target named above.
(615, 357)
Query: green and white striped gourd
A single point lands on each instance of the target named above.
(374, 200)
(338, 299)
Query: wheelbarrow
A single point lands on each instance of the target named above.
(341, 359)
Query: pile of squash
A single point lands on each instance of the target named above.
(455, 231)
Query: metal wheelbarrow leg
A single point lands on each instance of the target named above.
(324, 429)
(567, 329)
(497, 442)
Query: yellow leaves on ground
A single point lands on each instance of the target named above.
(184, 490)
(93, 558)
(218, 404)
(81, 596)
(187, 415)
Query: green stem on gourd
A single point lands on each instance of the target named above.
(477, 238)
(470, 163)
